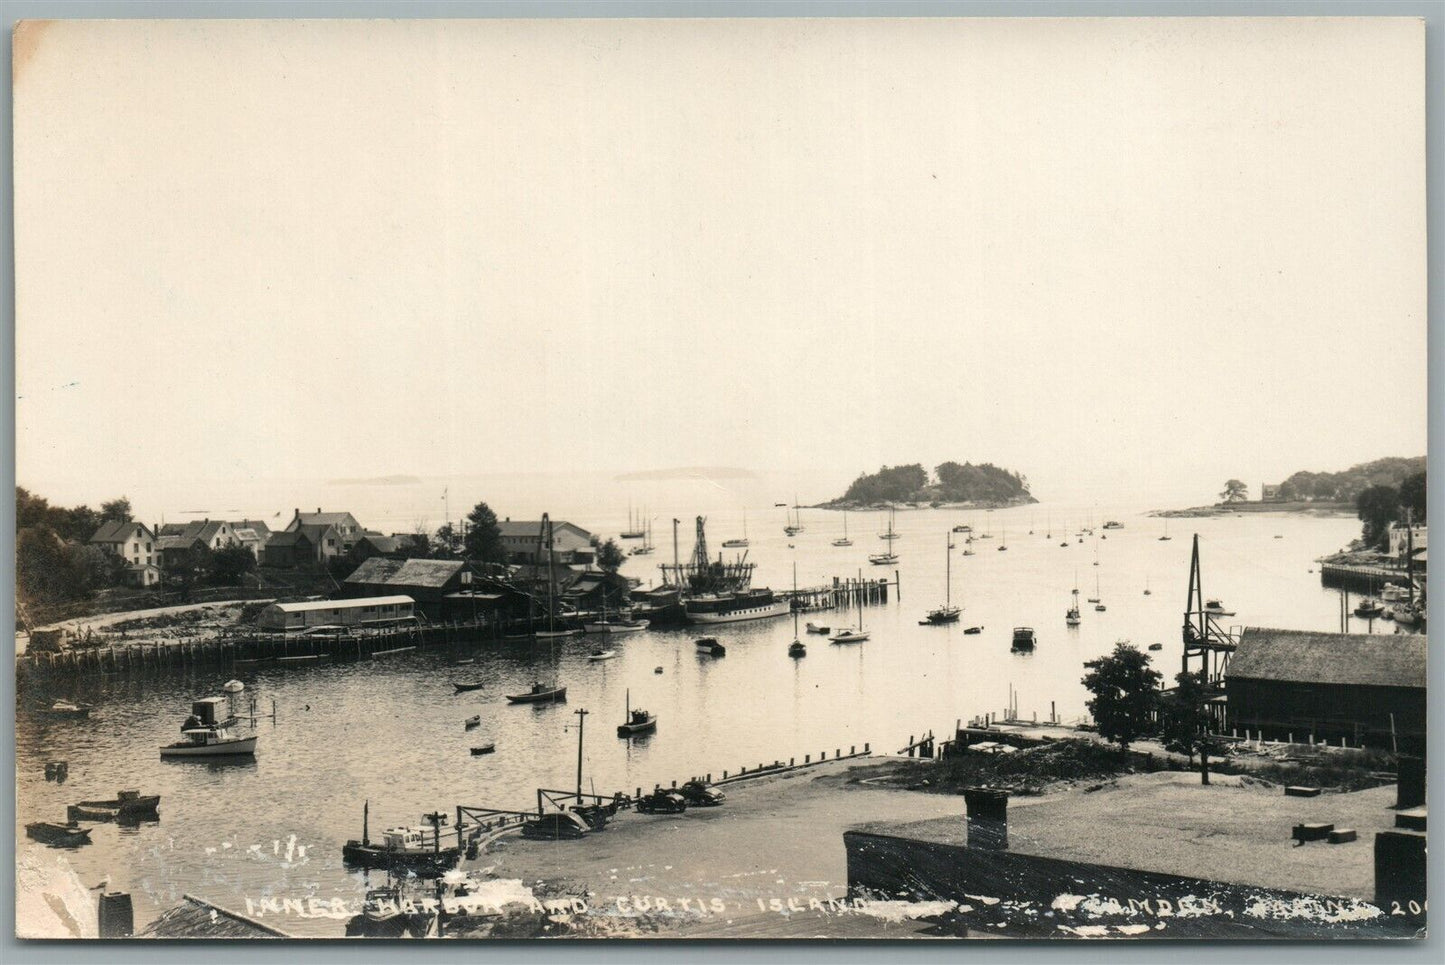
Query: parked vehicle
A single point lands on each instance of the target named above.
(662, 802)
(566, 825)
(701, 794)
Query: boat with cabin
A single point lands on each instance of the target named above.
(739, 543)
(415, 849)
(210, 732)
(749, 604)
(637, 721)
(596, 656)
(1024, 640)
(124, 808)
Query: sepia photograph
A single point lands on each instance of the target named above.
(721, 478)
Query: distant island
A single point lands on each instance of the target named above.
(951, 484)
(1310, 493)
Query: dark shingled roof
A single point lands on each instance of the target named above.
(425, 573)
(1307, 656)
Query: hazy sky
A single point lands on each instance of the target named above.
(1166, 252)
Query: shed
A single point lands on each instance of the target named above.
(1359, 686)
(359, 612)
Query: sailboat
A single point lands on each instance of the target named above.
(1147, 591)
(795, 525)
(888, 556)
(646, 548)
(540, 692)
(851, 634)
(634, 527)
(797, 648)
(845, 541)
(1098, 603)
(1072, 616)
(948, 613)
(1166, 535)
(739, 543)
(1003, 540)
(637, 721)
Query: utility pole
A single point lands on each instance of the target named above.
(581, 722)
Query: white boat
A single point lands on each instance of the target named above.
(597, 655)
(814, 628)
(1395, 593)
(219, 741)
(890, 535)
(852, 634)
(739, 543)
(616, 626)
(554, 634)
(1216, 608)
(735, 608)
(845, 541)
(1072, 616)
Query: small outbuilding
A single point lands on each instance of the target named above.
(371, 611)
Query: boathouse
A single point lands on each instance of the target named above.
(1327, 686)
(371, 611)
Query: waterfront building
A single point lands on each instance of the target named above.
(522, 542)
(372, 611)
(1325, 686)
(441, 589)
(136, 544)
(1402, 538)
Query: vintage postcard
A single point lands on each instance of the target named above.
(721, 479)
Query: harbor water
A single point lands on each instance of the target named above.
(391, 730)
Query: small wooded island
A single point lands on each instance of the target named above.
(952, 484)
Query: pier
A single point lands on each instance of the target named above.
(1362, 578)
(844, 593)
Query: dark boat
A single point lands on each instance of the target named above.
(483, 749)
(710, 646)
(1156, 646)
(473, 721)
(637, 721)
(797, 649)
(471, 685)
(126, 806)
(70, 835)
(972, 630)
(1023, 639)
(245, 664)
(416, 849)
(539, 694)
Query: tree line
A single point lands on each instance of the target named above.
(1379, 507)
(950, 482)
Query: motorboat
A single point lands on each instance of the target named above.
(64, 708)
(125, 807)
(751, 604)
(473, 721)
(1216, 608)
(468, 685)
(599, 655)
(417, 849)
(1024, 639)
(211, 742)
(616, 626)
(797, 649)
(1113, 524)
(481, 749)
(69, 835)
(539, 694)
(637, 721)
(971, 631)
(814, 628)
(1369, 608)
(708, 646)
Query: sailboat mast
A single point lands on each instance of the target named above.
(948, 579)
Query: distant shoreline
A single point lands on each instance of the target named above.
(844, 505)
(1293, 508)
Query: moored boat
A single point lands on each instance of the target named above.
(64, 708)
(615, 626)
(797, 649)
(637, 721)
(710, 646)
(125, 806)
(481, 749)
(1024, 639)
(210, 732)
(416, 849)
(814, 628)
(465, 686)
(70, 835)
(539, 694)
(473, 721)
(600, 655)
(751, 604)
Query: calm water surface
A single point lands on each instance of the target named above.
(391, 730)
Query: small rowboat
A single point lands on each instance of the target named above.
(475, 721)
(483, 749)
(539, 695)
(70, 835)
(470, 685)
(466, 660)
(128, 806)
(601, 655)
(64, 708)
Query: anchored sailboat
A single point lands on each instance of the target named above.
(739, 543)
(888, 556)
(845, 541)
(852, 634)
(948, 613)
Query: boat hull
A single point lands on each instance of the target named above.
(235, 748)
(638, 627)
(775, 609)
(849, 638)
(373, 856)
(58, 835)
(630, 730)
(546, 697)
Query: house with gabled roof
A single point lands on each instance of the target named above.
(135, 543)
(347, 528)
(306, 545)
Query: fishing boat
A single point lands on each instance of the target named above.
(1369, 608)
(70, 835)
(469, 685)
(481, 749)
(600, 655)
(708, 646)
(539, 694)
(126, 806)
(814, 628)
(947, 613)
(797, 649)
(972, 631)
(415, 849)
(739, 543)
(1024, 639)
(852, 634)
(1071, 616)
(844, 541)
(209, 732)
(637, 721)
(64, 708)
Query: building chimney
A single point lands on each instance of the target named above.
(987, 818)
